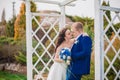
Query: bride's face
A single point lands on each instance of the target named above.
(68, 34)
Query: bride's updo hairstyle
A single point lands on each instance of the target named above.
(61, 38)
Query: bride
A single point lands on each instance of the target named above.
(58, 69)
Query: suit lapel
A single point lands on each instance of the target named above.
(77, 40)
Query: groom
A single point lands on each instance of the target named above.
(80, 53)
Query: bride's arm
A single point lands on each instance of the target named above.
(56, 58)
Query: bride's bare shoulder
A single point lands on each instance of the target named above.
(59, 48)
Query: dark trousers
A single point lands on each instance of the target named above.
(72, 76)
(75, 77)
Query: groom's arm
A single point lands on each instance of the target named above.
(86, 48)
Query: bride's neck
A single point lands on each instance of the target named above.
(66, 41)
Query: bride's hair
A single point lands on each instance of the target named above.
(61, 38)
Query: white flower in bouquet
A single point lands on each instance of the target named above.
(64, 57)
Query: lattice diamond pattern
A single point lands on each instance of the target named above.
(111, 48)
(44, 37)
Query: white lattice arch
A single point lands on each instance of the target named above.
(36, 45)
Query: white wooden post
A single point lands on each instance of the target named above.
(101, 45)
(62, 17)
(98, 42)
(29, 40)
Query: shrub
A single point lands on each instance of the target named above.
(9, 48)
(21, 58)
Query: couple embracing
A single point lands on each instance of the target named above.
(80, 47)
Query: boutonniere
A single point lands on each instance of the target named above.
(76, 41)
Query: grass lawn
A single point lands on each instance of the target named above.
(10, 76)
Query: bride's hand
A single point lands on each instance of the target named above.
(58, 60)
(85, 34)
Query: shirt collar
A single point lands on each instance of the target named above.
(78, 36)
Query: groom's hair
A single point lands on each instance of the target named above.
(78, 26)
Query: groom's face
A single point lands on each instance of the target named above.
(74, 31)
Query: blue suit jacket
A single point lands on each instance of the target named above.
(81, 55)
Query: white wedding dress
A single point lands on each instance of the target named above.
(57, 71)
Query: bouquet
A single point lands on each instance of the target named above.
(65, 54)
